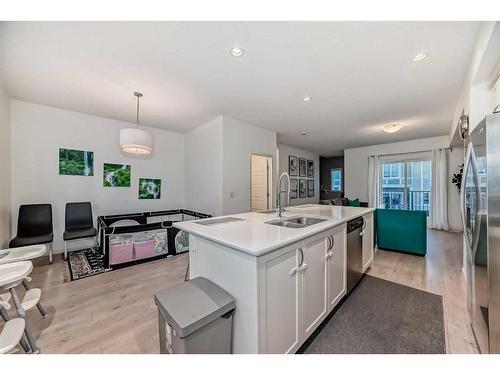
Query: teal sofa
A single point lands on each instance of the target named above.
(401, 230)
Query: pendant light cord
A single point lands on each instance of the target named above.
(137, 119)
(138, 95)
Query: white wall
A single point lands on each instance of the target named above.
(475, 100)
(203, 168)
(206, 169)
(477, 96)
(39, 131)
(356, 161)
(356, 168)
(284, 152)
(5, 178)
(217, 169)
(240, 140)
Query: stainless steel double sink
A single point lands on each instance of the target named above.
(296, 222)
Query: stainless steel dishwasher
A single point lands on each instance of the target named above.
(355, 229)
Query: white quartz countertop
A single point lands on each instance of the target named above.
(253, 236)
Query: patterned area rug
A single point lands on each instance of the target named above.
(85, 263)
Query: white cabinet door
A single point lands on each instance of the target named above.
(336, 267)
(281, 303)
(313, 275)
(368, 241)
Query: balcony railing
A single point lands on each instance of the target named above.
(416, 200)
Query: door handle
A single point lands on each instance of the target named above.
(293, 271)
(470, 161)
(464, 181)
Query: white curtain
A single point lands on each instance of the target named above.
(439, 192)
(374, 181)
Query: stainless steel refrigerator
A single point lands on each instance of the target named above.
(480, 199)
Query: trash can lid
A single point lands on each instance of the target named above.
(193, 304)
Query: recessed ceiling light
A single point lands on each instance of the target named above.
(237, 52)
(419, 57)
(303, 133)
(307, 98)
(392, 128)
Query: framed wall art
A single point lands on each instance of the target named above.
(149, 188)
(293, 165)
(302, 188)
(310, 188)
(116, 175)
(76, 162)
(302, 167)
(294, 185)
(310, 168)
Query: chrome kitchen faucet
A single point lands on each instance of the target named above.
(279, 207)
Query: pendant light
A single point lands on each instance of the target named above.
(136, 140)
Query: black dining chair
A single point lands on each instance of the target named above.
(78, 223)
(34, 226)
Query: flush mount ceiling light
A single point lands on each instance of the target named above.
(419, 57)
(307, 98)
(237, 51)
(136, 140)
(392, 128)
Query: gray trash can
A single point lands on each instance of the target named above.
(195, 317)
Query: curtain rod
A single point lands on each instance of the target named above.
(413, 152)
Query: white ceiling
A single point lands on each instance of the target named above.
(359, 74)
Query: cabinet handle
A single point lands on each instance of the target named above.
(333, 242)
(301, 256)
(329, 254)
(304, 267)
(362, 233)
(329, 243)
(293, 271)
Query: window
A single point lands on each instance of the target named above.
(336, 179)
(406, 185)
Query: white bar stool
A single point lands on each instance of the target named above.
(12, 275)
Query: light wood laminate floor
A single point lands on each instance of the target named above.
(115, 312)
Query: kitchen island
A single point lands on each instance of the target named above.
(286, 274)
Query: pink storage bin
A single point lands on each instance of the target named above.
(144, 246)
(144, 249)
(121, 249)
(121, 253)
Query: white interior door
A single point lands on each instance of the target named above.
(260, 182)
